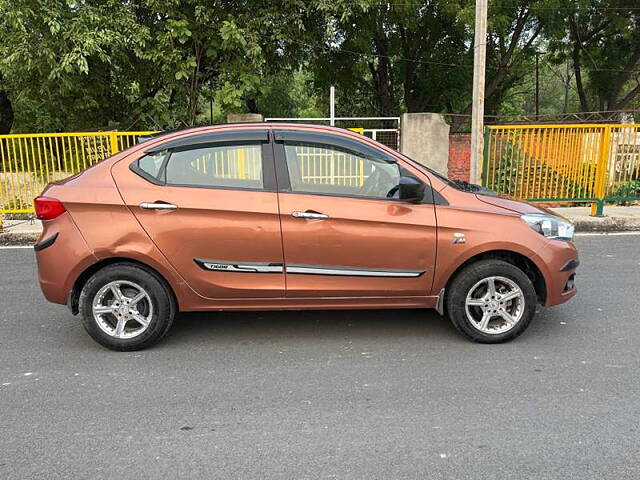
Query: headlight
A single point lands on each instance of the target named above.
(549, 226)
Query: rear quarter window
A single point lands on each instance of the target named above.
(150, 164)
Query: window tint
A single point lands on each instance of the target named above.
(325, 169)
(238, 166)
(150, 164)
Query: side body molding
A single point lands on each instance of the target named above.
(263, 267)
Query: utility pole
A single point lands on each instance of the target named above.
(477, 112)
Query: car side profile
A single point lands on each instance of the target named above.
(290, 216)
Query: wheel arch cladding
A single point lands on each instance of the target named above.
(519, 260)
(74, 295)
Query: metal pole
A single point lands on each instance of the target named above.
(477, 112)
(332, 106)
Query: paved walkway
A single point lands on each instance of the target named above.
(615, 219)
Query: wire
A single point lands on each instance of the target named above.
(375, 55)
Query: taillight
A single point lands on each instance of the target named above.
(48, 208)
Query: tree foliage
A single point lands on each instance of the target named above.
(91, 64)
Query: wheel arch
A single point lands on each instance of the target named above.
(524, 263)
(81, 280)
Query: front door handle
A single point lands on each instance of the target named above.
(158, 206)
(310, 215)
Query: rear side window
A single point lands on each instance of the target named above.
(228, 166)
(234, 166)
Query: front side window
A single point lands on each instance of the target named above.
(235, 166)
(325, 169)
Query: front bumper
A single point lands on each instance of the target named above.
(559, 261)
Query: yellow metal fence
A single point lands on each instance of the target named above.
(28, 162)
(564, 163)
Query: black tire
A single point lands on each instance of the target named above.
(161, 311)
(467, 278)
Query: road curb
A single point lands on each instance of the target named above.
(18, 239)
(606, 224)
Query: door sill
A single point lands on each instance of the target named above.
(314, 303)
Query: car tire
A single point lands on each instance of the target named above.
(126, 307)
(488, 315)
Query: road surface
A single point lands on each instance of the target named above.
(352, 394)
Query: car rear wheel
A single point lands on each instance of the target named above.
(491, 301)
(126, 307)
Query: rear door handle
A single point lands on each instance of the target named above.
(158, 206)
(310, 215)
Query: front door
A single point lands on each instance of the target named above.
(345, 233)
(212, 210)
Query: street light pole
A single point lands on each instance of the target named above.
(477, 112)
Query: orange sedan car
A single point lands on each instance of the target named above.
(289, 216)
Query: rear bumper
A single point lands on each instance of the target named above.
(560, 260)
(61, 255)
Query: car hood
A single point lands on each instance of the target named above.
(508, 203)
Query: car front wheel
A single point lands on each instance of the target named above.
(491, 301)
(126, 307)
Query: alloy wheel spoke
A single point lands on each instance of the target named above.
(484, 322)
(102, 309)
(491, 286)
(141, 319)
(115, 289)
(511, 296)
(137, 298)
(507, 317)
(476, 302)
(122, 322)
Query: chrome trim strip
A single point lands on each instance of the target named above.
(351, 271)
(238, 267)
(258, 267)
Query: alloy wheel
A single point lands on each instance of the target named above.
(122, 309)
(494, 305)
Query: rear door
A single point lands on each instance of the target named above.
(345, 233)
(209, 203)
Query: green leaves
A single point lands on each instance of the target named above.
(83, 64)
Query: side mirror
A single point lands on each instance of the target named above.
(411, 189)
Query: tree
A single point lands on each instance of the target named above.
(144, 63)
(418, 56)
(602, 42)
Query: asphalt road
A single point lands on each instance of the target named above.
(364, 394)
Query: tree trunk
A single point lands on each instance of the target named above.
(575, 54)
(381, 73)
(6, 113)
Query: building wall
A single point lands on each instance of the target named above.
(459, 156)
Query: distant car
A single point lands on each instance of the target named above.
(288, 216)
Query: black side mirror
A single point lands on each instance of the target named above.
(411, 189)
